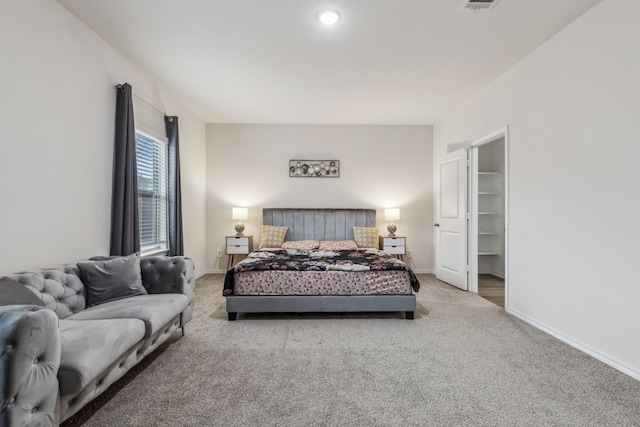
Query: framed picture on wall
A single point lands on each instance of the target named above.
(314, 168)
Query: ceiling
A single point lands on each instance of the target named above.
(271, 61)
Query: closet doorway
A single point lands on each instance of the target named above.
(488, 249)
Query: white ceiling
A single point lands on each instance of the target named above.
(270, 61)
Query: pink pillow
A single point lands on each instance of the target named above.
(338, 245)
(301, 244)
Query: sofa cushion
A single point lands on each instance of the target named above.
(90, 347)
(111, 279)
(13, 292)
(156, 311)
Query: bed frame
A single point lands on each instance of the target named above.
(320, 224)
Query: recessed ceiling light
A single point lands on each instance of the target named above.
(328, 17)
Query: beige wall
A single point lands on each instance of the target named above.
(57, 105)
(381, 166)
(572, 108)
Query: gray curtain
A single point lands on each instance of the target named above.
(176, 245)
(125, 231)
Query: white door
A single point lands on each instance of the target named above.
(451, 225)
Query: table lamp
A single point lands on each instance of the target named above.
(240, 214)
(392, 215)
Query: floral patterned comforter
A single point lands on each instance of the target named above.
(356, 261)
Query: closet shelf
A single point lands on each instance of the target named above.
(488, 233)
(489, 193)
(489, 213)
(488, 254)
(490, 173)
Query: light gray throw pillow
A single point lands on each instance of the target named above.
(14, 292)
(111, 279)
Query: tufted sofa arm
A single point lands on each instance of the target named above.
(29, 364)
(163, 274)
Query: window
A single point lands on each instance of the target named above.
(153, 169)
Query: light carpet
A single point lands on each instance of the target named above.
(463, 361)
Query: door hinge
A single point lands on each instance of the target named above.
(468, 163)
(468, 215)
(468, 268)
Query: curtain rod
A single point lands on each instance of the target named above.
(144, 101)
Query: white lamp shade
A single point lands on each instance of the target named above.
(392, 214)
(240, 213)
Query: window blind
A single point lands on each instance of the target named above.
(152, 191)
(148, 118)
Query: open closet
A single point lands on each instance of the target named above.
(471, 231)
(488, 192)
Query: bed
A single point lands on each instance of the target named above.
(277, 280)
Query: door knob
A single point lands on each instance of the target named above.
(436, 225)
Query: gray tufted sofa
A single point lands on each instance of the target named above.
(57, 358)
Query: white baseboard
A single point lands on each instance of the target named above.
(210, 271)
(493, 273)
(591, 352)
(422, 270)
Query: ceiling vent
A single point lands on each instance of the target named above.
(478, 4)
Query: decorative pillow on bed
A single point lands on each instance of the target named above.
(301, 244)
(366, 237)
(272, 236)
(338, 245)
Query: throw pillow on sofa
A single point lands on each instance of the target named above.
(111, 279)
(14, 292)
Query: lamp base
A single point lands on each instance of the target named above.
(391, 228)
(239, 229)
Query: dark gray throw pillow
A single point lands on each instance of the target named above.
(14, 292)
(111, 279)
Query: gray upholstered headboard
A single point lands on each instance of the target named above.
(319, 224)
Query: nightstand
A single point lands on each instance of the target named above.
(237, 245)
(394, 246)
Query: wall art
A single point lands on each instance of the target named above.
(314, 168)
